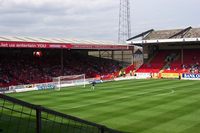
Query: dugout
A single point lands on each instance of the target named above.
(152, 41)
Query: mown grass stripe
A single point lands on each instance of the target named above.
(132, 105)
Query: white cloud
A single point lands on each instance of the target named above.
(60, 17)
(91, 19)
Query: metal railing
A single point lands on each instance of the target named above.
(22, 117)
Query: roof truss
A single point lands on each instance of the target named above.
(141, 35)
(182, 33)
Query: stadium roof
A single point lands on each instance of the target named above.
(39, 42)
(188, 34)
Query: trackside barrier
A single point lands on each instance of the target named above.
(18, 116)
(124, 78)
(170, 75)
(186, 76)
(143, 75)
(52, 85)
(3, 89)
(42, 86)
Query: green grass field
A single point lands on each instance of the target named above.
(136, 106)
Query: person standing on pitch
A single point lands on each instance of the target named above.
(93, 85)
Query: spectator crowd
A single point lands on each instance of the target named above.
(27, 69)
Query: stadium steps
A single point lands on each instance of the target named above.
(152, 57)
(148, 62)
(163, 69)
(177, 57)
(170, 64)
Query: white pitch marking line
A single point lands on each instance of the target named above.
(171, 92)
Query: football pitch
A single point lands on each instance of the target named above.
(136, 106)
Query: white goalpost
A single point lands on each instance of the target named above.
(71, 80)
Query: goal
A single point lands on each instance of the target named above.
(71, 80)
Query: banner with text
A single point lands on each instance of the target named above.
(170, 75)
(191, 76)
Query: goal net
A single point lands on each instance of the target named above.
(72, 80)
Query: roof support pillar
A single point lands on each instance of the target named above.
(182, 54)
(133, 55)
(99, 54)
(112, 55)
(62, 62)
(123, 57)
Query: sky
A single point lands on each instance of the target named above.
(92, 19)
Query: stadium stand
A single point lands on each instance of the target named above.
(26, 69)
(169, 51)
(156, 64)
(190, 62)
(170, 62)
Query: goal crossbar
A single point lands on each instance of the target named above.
(70, 80)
